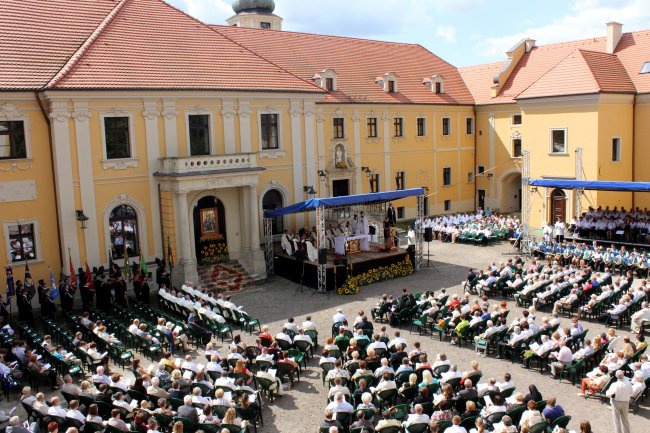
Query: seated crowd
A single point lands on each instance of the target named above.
(612, 224)
(383, 383)
(478, 227)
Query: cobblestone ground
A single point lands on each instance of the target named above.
(301, 409)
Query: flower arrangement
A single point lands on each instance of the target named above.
(213, 251)
(341, 164)
(396, 270)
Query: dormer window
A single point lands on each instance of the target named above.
(388, 82)
(326, 79)
(436, 83)
(645, 69)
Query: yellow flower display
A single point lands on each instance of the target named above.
(400, 269)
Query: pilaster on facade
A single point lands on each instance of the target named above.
(170, 115)
(62, 154)
(244, 113)
(310, 146)
(296, 112)
(356, 136)
(491, 179)
(151, 113)
(183, 236)
(228, 115)
(385, 117)
(81, 116)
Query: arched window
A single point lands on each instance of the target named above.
(123, 226)
(273, 200)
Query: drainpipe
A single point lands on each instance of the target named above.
(56, 194)
(633, 147)
(475, 158)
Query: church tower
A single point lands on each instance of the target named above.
(255, 14)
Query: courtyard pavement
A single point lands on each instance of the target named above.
(301, 408)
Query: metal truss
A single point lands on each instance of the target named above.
(320, 230)
(419, 234)
(268, 246)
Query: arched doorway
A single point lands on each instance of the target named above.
(211, 245)
(510, 193)
(558, 205)
(123, 228)
(273, 200)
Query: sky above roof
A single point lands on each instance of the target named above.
(462, 32)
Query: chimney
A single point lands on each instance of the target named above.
(614, 33)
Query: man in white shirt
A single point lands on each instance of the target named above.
(100, 377)
(620, 393)
(189, 364)
(339, 317)
(282, 335)
(308, 325)
(340, 405)
(643, 315)
(55, 408)
(74, 413)
(455, 426)
(301, 336)
(214, 365)
(418, 417)
(562, 358)
(290, 325)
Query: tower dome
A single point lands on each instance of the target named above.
(263, 6)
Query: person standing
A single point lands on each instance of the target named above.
(362, 224)
(391, 215)
(560, 228)
(619, 394)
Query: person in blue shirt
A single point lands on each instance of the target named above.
(552, 411)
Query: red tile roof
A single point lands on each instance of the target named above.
(544, 62)
(357, 62)
(142, 44)
(38, 37)
(479, 79)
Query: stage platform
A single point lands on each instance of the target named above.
(363, 263)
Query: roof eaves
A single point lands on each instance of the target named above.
(186, 89)
(74, 59)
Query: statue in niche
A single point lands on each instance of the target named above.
(339, 156)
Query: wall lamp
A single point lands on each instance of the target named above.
(309, 189)
(82, 219)
(366, 170)
(322, 174)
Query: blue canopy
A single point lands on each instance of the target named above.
(591, 185)
(348, 200)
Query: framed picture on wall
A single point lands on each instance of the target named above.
(210, 224)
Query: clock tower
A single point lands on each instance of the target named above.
(256, 14)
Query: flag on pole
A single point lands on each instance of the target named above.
(143, 266)
(55, 289)
(170, 255)
(89, 278)
(28, 282)
(11, 289)
(127, 265)
(73, 277)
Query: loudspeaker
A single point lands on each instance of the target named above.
(322, 256)
(428, 234)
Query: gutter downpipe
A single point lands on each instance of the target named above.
(56, 194)
(633, 147)
(475, 158)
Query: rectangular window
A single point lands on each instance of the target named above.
(481, 169)
(391, 86)
(399, 180)
(339, 127)
(421, 123)
(558, 141)
(12, 140)
(270, 136)
(446, 176)
(645, 69)
(118, 138)
(426, 206)
(616, 149)
(469, 125)
(329, 84)
(398, 125)
(374, 183)
(22, 245)
(438, 87)
(265, 25)
(446, 126)
(516, 147)
(199, 126)
(516, 119)
(400, 212)
(470, 177)
(447, 205)
(372, 127)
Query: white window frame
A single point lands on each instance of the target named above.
(550, 141)
(377, 129)
(132, 161)
(451, 176)
(512, 120)
(424, 126)
(28, 142)
(442, 127)
(213, 146)
(470, 177)
(280, 151)
(403, 127)
(620, 149)
(473, 126)
(37, 239)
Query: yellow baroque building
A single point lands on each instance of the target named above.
(129, 127)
